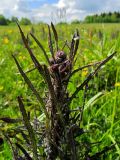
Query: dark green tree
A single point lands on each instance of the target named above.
(104, 18)
(3, 20)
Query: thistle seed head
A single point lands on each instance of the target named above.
(65, 67)
(61, 54)
(54, 67)
(59, 60)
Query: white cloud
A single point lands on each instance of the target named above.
(73, 9)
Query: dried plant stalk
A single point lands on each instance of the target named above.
(58, 135)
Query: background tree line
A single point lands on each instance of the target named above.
(6, 21)
(103, 18)
(111, 17)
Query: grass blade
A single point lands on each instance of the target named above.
(114, 142)
(92, 101)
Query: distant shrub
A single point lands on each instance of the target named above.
(25, 21)
(14, 19)
(76, 22)
(62, 23)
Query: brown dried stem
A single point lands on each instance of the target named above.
(55, 35)
(50, 43)
(29, 83)
(40, 45)
(29, 128)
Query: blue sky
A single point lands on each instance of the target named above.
(56, 10)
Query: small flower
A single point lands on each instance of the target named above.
(84, 72)
(1, 88)
(117, 84)
(10, 31)
(21, 57)
(5, 40)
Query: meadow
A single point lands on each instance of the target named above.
(101, 116)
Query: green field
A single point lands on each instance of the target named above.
(102, 110)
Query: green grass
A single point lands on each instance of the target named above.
(102, 110)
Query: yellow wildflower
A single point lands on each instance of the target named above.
(21, 57)
(10, 31)
(5, 40)
(84, 72)
(1, 88)
(117, 84)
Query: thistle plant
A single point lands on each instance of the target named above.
(57, 137)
